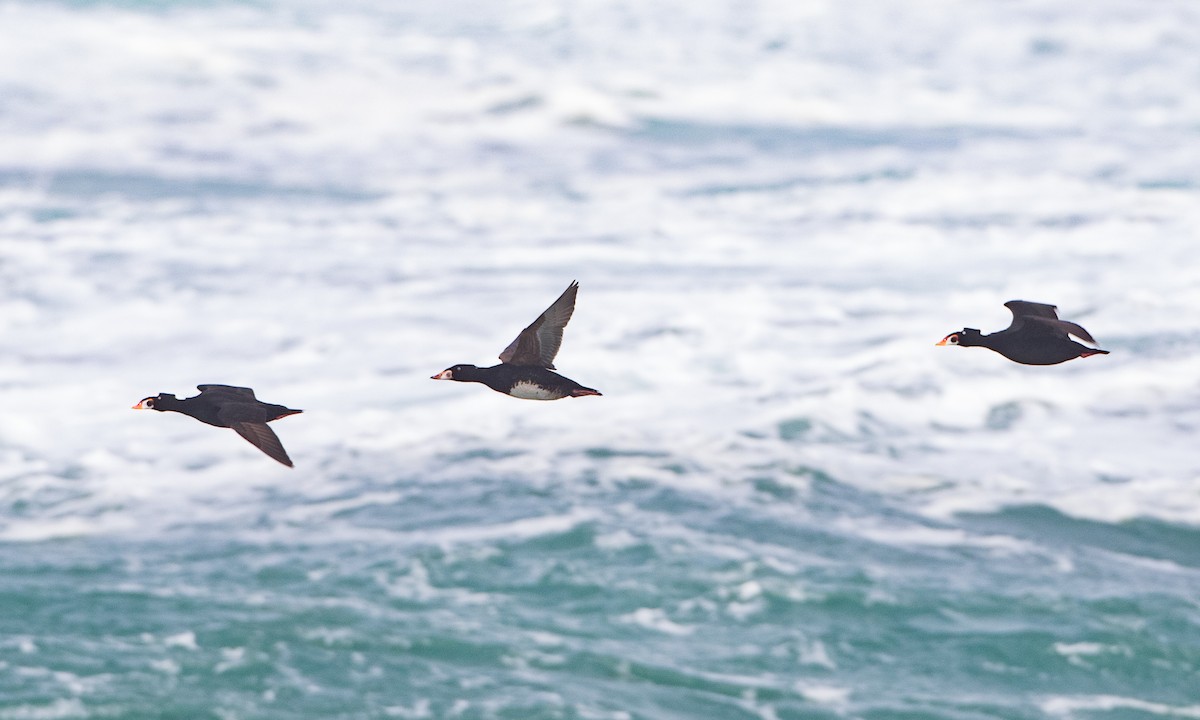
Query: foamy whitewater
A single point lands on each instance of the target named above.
(788, 504)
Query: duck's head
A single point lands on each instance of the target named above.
(155, 402)
(966, 337)
(457, 372)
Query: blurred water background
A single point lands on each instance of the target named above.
(788, 504)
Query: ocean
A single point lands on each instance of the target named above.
(788, 503)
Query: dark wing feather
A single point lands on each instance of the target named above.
(1060, 327)
(1043, 318)
(230, 412)
(538, 344)
(263, 438)
(1024, 308)
(231, 389)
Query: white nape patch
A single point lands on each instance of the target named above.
(532, 391)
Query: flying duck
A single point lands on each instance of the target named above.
(526, 368)
(1035, 337)
(229, 407)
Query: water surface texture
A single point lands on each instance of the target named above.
(788, 504)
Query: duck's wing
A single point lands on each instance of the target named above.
(263, 438)
(230, 389)
(1061, 328)
(1023, 310)
(539, 343)
(1043, 318)
(233, 410)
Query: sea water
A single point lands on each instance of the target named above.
(787, 504)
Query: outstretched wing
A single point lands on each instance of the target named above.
(265, 439)
(231, 389)
(539, 343)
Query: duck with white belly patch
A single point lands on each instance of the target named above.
(526, 368)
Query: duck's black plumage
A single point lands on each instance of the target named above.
(526, 368)
(528, 382)
(233, 407)
(1036, 336)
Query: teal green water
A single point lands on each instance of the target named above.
(674, 607)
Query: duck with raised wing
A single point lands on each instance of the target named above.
(526, 368)
(1035, 337)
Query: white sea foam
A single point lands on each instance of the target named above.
(824, 694)
(656, 619)
(1081, 648)
(769, 242)
(1068, 706)
(166, 666)
(185, 640)
(62, 708)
